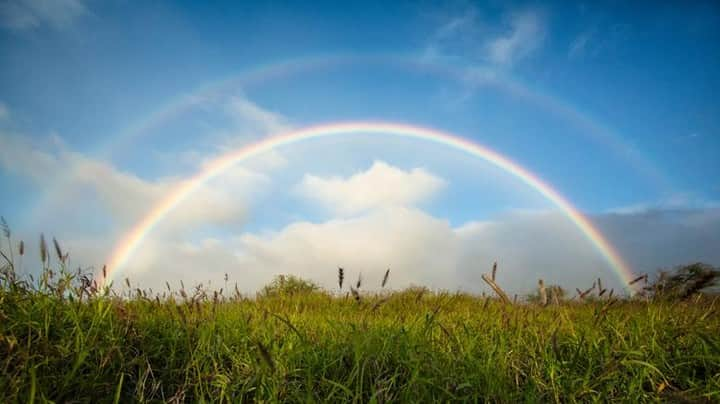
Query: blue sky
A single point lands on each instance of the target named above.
(614, 105)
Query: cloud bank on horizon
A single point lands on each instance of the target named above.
(433, 216)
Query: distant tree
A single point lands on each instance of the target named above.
(684, 281)
(286, 285)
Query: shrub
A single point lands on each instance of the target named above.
(288, 285)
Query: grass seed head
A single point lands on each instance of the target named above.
(341, 276)
(385, 278)
(637, 279)
(43, 249)
(5, 227)
(58, 250)
(355, 294)
(265, 355)
(21, 248)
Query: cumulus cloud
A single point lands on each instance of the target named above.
(381, 185)
(22, 15)
(378, 231)
(416, 246)
(422, 249)
(124, 196)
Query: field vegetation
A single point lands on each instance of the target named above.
(63, 339)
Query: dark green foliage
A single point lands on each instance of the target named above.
(288, 285)
(684, 281)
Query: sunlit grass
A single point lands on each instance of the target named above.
(62, 340)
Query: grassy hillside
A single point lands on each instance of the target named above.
(62, 340)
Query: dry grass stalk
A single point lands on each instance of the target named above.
(359, 281)
(582, 295)
(265, 355)
(554, 292)
(355, 294)
(542, 293)
(604, 310)
(43, 249)
(638, 279)
(379, 303)
(494, 270)
(496, 288)
(21, 248)
(58, 251)
(385, 278)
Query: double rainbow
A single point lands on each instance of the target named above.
(124, 250)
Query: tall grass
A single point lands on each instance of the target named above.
(62, 339)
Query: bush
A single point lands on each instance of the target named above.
(684, 281)
(288, 285)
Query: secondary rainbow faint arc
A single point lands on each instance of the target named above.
(132, 240)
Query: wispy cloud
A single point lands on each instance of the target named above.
(22, 15)
(4, 112)
(579, 44)
(463, 38)
(524, 34)
(249, 115)
(597, 39)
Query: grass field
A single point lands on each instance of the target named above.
(61, 340)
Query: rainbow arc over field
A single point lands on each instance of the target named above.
(131, 241)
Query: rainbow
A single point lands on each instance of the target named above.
(124, 250)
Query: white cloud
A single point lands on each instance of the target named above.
(416, 246)
(526, 33)
(29, 14)
(465, 39)
(422, 249)
(250, 115)
(381, 185)
(126, 197)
